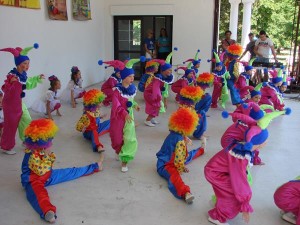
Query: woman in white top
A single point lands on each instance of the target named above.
(50, 101)
(74, 89)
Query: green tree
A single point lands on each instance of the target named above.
(273, 16)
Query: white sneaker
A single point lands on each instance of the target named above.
(289, 217)
(189, 198)
(10, 152)
(50, 217)
(154, 121)
(216, 222)
(124, 169)
(149, 124)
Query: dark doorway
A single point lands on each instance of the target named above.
(129, 34)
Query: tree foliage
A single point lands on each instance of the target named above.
(276, 17)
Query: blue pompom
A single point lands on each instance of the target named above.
(209, 60)
(288, 111)
(198, 50)
(245, 106)
(23, 86)
(100, 62)
(214, 50)
(129, 104)
(175, 49)
(162, 88)
(143, 59)
(22, 94)
(282, 67)
(225, 114)
(183, 62)
(248, 146)
(106, 67)
(36, 45)
(265, 84)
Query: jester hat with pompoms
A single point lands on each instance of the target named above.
(195, 60)
(166, 64)
(20, 54)
(218, 59)
(257, 132)
(125, 68)
(92, 99)
(190, 95)
(39, 134)
(183, 121)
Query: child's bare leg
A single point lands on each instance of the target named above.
(100, 161)
(58, 113)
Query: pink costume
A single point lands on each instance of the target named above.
(270, 95)
(152, 93)
(241, 84)
(217, 89)
(12, 103)
(228, 177)
(287, 198)
(178, 85)
(107, 88)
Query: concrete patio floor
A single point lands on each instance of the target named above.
(141, 196)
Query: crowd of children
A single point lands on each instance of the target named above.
(228, 171)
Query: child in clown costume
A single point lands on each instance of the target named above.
(37, 172)
(220, 73)
(232, 65)
(270, 93)
(186, 80)
(109, 84)
(89, 123)
(173, 155)
(15, 111)
(242, 83)
(227, 170)
(287, 198)
(204, 81)
(50, 101)
(122, 126)
(151, 68)
(154, 87)
(188, 98)
(196, 63)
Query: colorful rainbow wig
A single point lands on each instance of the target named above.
(190, 95)
(39, 134)
(234, 50)
(92, 99)
(150, 66)
(183, 121)
(205, 80)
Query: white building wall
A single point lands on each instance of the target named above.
(82, 43)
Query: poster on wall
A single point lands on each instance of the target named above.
(57, 9)
(81, 9)
(30, 4)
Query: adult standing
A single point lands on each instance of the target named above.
(262, 48)
(250, 46)
(163, 44)
(149, 45)
(227, 41)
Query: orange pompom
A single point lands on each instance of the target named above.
(206, 78)
(184, 121)
(193, 93)
(235, 50)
